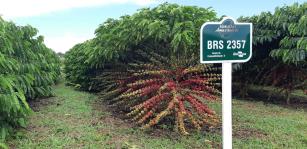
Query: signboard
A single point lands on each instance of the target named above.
(225, 41)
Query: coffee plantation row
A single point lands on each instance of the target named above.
(147, 64)
(28, 69)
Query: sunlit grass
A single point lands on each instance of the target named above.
(73, 122)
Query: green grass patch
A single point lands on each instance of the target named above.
(75, 120)
(259, 125)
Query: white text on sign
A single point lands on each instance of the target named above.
(230, 44)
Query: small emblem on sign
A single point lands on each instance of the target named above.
(239, 54)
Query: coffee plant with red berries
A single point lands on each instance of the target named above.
(165, 87)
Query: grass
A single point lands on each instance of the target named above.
(259, 125)
(74, 119)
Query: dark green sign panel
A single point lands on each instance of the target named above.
(225, 41)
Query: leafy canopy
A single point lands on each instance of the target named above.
(27, 70)
(168, 29)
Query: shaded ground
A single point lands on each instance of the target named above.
(273, 95)
(75, 119)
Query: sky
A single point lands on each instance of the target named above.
(65, 23)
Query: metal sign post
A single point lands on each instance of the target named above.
(226, 105)
(226, 42)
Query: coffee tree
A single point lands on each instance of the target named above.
(111, 64)
(27, 70)
(279, 49)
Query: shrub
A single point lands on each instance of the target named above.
(168, 30)
(27, 70)
(279, 49)
(163, 87)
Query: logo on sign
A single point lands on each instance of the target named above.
(239, 54)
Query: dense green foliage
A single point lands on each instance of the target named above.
(27, 70)
(279, 49)
(169, 31)
(77, 71)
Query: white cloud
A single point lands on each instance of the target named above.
(65, 42)
(25, 8)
